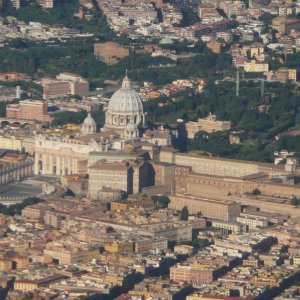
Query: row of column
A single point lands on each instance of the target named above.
(16, 174)
(55, 165)
(115, 119)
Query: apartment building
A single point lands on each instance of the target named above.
(46, 3)
(110, 52)
(28, 110)
(209, 124)
(214, 209)
(256, 66)
(193, 275)
(64, 84)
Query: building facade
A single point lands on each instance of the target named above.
(64, 156)
(28, 110)
(256, 66)
(127, 176)
(213, 209)
(209, 124)
(110, 52)
(195, 276)
(64, 84)
(46, 3)
(204, 185)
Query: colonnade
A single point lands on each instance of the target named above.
(16, 172)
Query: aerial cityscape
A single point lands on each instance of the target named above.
(149, 149)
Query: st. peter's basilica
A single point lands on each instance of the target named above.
(63, 154)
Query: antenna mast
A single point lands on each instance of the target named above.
(262, 88)
(237, 89)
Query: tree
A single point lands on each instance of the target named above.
(200, 243)
(161, 201)
(297, 120)
(14, 209)
(294, 201)
(184, 214)
(196, 243)
(267, 18)
(189, 17)
(68, 117)
(18, 43)
(256, 192)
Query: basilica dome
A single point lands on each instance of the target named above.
(89, 125)
(125, 107)
(125, 100)
(89, 121)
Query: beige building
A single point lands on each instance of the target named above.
(64, 84)
(209, 124)
(160, 137)
(215, 166)
(227, 227)
(256, 66)
(252, 222)
(132, 202)
(110, 52)
(284, 74)
(204, 185)
(10, 142)
(57, 155)
(16, 3)
(119, 247)
(15, 262)
(54, 88)
(25, 285)
(70, 255)
(196, 275)
(284, 25)
(214, 209)
(46, 3)
(128, 176)
(200, 296)
(28, 110)
(164, 173)
(51, 157)
(28, 144)
(256, 50)
(184, 249)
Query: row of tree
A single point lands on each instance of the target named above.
(68, 117)
(16, 209)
